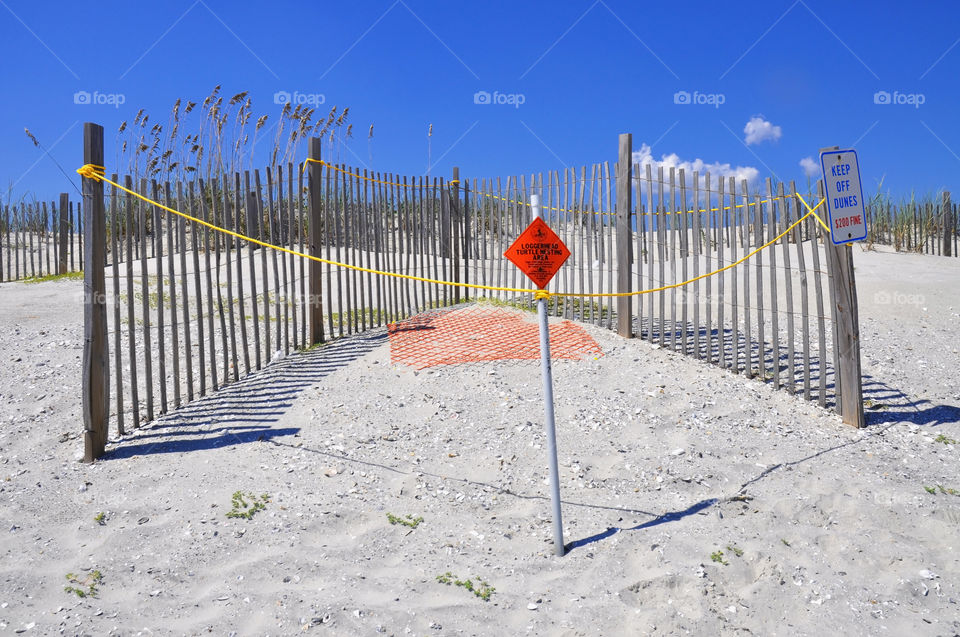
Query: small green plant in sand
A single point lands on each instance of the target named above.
(100, 518)
(246, 505)
(481, 589)
(409, 520)
(785, 543)
(735, 550)
(945, 440)
(717, 556)
(85, 587)
(941, 489)
(69, 276)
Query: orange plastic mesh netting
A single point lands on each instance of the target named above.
(476, 334)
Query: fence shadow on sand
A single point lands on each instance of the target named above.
(245, 411)
(886, 404)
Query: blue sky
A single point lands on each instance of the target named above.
(684, 78)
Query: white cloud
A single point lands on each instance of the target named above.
(760, 130)
(810, 167)
(644, 156)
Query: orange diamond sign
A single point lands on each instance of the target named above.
(538, 252)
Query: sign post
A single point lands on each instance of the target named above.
(539, 253)
(844, 197)
(844, 194)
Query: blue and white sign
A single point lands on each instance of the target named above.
(841, 178)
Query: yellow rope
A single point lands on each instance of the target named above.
(525, 203)
(92, 171)
(644, 214)
(825, 226)
(359, 176)
(703, 276)
(96, 172)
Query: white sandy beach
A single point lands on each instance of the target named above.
(665, 464)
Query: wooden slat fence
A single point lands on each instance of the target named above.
(922, 227)
(40, 238)
(192, 309)
(766, 318)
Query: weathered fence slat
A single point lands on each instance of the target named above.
(145, 303)
(661, 219)
(822, 356)
(47, 236)
(131, 311)
(217, 214)
(696, 265)
(197, 283)
(339, 198)
(251, 212)
(356, 240)
(391, 213)
(73, 234)
(174, 319)
(227, 242)
(709, 247)
(115, 270)
(722, 216)
(274, 227)
(376, 206)
(325, 235)
(671, 220)
(775, 324)
(264, 274)
(366, 256)
(96, 360)
(291, 291)
(733, 220)
(51, 231)
(758, 228)
(947, 219)
(746, 241)
(302, 221)
(239, 199)
(30, 230)
(786, 220)
(184, 280)
(804, 294)
(5, 242)
(685, 296)
(16, 241)
(208, 277)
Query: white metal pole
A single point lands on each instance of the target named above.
(547, 370)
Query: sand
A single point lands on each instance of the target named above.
(695, 501)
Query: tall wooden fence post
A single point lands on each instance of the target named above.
(467, 236)
(948, 229)
(96, 366)
(64, 210)
(846, 314)
(624, 235)
(315, 284)
(846, 320)
(456, 229)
